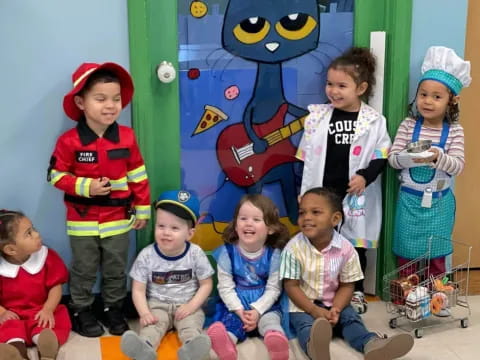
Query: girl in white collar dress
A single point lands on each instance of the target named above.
(31, 278)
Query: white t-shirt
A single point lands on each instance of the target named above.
(173, 280)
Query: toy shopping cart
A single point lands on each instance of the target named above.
(418, 300)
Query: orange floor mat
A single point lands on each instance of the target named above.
(168, 348)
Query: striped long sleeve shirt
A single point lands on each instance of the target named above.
(451, 159)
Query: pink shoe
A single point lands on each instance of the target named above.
(277, 345)
(222, 344)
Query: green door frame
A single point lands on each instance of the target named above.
(155, 108)
(395, 18)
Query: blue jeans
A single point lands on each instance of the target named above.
(349, 326)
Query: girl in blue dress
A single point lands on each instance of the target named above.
(248, 280)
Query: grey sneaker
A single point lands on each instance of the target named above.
(388, 348)
(444, 313)
(136, 348)
(318, 346)
(359, 303)
(197, 348)
(47, 345)
(10, 352)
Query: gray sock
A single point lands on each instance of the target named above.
(195, 349)
(135, 347)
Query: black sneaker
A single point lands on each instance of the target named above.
(85, 323)
(115, 320)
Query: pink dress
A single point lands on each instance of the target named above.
(24, 289)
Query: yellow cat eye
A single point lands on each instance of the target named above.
(252, 30)
(295, 26)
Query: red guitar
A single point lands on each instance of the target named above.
(235, 150)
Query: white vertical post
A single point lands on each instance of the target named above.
(377, 46)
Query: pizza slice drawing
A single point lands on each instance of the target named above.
(210, 117)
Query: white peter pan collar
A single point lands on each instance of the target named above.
(33, 265)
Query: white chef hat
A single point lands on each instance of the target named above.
(444, 65)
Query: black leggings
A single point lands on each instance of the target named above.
(362, 255)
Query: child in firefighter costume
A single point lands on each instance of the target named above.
(99, 167)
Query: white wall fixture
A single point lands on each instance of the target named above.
(166, 73)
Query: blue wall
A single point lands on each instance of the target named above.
(42, 43)
(436, 22)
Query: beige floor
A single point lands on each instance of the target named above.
(447, 341)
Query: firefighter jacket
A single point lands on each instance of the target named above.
(81, 156)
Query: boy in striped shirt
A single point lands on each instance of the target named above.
(319, 268)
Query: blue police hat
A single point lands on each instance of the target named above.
(181, 203)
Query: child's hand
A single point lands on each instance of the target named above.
(241, 315)
(356, 185)
(100, 187)
(333, 315)
(45, 318)
(139, 224)
(431, 158)
(251, 317)
(8, 315)
(148, 319)
(319, 311)
(183, 311)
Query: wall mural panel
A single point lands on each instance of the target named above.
(248, 70)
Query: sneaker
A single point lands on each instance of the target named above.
(277, 345)
(443, 313)
(85, 323)
(318, 346)
(47, 345)
(359, 303)
(13, 351)
(388, 348)
(196, 348)
(115, 321)
(136, 348)
(222, 344)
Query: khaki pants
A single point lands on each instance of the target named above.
(187, 328)
(90, 252)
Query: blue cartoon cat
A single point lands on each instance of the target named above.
(258, 151)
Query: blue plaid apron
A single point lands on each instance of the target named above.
(414, 224)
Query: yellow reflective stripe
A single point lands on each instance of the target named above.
(142, 212)
(93, 228)
(82, 186)
(119, 184)
(56, 176)
(137, 175)
(82, 228)
(115, 227)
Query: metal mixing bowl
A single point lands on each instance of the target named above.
(419, 146)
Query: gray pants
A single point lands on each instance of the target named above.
(90, 252)
(187, 328)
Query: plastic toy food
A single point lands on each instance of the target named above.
(439, 302)
(413, 279)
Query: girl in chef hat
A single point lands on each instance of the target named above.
(426, 204)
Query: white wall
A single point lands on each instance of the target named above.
(436, 22)
(42, 43)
